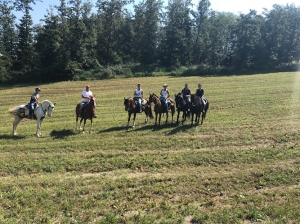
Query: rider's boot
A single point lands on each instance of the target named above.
(30, 114)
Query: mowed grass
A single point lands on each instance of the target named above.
(242, 165)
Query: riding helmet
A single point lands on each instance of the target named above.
(37, 89)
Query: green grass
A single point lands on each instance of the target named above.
(242, 165)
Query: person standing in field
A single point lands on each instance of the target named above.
(34, 100)
(86, 96)
(138, 96)
(164, 94)
(200, 93)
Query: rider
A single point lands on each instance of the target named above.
(86, 96)
(138, 96)
(34, 100)
(164, 94)
(200, 93)
(186, 93)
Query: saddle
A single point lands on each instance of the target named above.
(144, 102)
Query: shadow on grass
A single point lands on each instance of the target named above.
(61, 134)
(112, 129)
(179, 128)
(11, 137)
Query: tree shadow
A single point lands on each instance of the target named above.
(61, 134)
(11, 137)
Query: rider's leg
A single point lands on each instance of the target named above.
(81, 109)
(31, 109)
(140, 105)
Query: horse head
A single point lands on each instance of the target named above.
(153, 98)
(195, 100)
(128, 103)
(179, 100)
(92, 102)
(48, 107)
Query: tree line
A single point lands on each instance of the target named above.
(80, 40)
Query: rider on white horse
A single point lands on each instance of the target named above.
(34, 100)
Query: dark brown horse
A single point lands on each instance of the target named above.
(88, 113)
(159, 108)
(182, 106)
(197, 107)
(132, 108)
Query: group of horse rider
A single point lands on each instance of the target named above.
(165, 94)
(138, 96)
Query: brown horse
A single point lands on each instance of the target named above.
(197, 107)
(159, 108)
(132, 108)
(88, 113)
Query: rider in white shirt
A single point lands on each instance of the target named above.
(86, 96)
(164, 94)
(138, 96)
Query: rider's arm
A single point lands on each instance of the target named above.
(142, 94)
(168, 93)
(134, 93)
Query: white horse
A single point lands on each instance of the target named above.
(22, 111)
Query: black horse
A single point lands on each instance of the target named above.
(182, 106)
(197, 108)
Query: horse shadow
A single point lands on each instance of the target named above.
(179, 128)
(8, 137)
(61, 134)
(112, 129)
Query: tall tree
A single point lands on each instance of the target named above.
(25, 52)
(176, 46)
(281, 34)
(111, 22)
(201, 31)
(147, 18)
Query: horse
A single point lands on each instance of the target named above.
(88, 113)
(132, 108)
(159, 108)
(183, 106)
(197, 108)
(22, 111)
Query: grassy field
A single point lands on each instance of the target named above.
(241, 166)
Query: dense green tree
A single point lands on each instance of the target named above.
(176, 46)
(111, 21)
(248, 46)
(201, 32)
(282, 34)
(147, 18)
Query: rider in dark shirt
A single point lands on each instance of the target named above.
(200, 93)
(186, 93)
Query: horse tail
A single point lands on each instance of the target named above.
(207, 106)
(13, 111)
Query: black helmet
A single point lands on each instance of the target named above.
(37, 89)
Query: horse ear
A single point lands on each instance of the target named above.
(54, 104)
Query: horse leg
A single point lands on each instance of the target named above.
(15, 124)
(178, 117)
(159, 119)
(167, 116)
(134, 115)
(129, 115)
(156, 118)
(192, 119)
(38, 127)
(90, 131)
(84, 122)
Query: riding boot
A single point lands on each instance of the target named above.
(30, 114)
